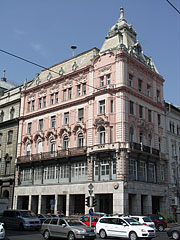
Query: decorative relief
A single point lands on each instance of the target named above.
(51, 132)
(38, 135)
(81, 79)
(31, 97)
(78, 127)
(42, 93)
(27, 139)
(105, 70)
(67, 84)
(101, 121)
(74, 66)
(65, 129)
(54, 89)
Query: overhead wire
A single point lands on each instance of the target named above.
(173, 6)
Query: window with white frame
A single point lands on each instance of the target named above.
(52, 99)
(52, 146)
(151, 172)
(29, 128)
(53, 121)
(28, 149)
(66, 118)
(108, 79)
(105, 168)
(102, 134)
(79, 170)
(64, 95)
(64, 171)
(114, 167)
(69, 93)
(50, 172)
(40, 103)
(133, 169)
(111, 106)
(131, 134)
(65, 142)
(27, 175)
(33, 105)
(162, 172)
(56, 97)
(79, 90)
(40, 125)
(140, 85)
(80, 140)
(148, 90)
(84, 89)
(102, 107)
(37, 174)
(142, 171)
(101, 81)
(44, 101)
(80, 114)
(39, 147)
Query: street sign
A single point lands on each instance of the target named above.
(90, 192)
(91, 211)
(90, 186)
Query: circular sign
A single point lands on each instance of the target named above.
(116, 186)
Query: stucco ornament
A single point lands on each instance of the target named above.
(61, 71)
(49, 76)
(101, 122)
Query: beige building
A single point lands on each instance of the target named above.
(9, 114)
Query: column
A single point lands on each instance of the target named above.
(56, 203)
(29, 204)
(67, 204)
(39, 204)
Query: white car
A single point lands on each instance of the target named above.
(2, 231)
(144, 220)
(123, 227)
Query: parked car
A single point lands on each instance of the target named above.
(174, 232)
(144, 220)
(70, 228)
(86, 220)
(20, 219)
(159, 221)
(123, 227)
(2, 231)
(42, 217)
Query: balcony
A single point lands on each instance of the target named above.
(144, 148)
(105, 87)
(51, 155)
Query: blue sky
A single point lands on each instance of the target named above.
(43, 31)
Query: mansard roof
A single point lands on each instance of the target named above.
(122, 36)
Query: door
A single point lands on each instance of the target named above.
(120, 228)
(62, 229)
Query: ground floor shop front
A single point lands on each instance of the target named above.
(112, 197)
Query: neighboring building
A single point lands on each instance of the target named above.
(9, 113)
(97, 118)
(173, 149)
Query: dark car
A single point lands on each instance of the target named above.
(42, 217)
(174, 232)
(159, 221)
(66, 227)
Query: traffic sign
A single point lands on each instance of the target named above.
(91, 211)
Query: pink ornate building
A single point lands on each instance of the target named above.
(97, 118)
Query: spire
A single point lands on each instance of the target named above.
(4, 76)
(121, 14)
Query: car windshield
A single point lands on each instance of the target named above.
(132, 221)
(74, 222)
(27, 214)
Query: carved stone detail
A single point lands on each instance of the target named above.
(101, 121)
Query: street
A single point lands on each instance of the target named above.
(36, 235)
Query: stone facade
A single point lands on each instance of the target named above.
(96, 118)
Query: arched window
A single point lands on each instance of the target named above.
(12, 113)
(52, 146)
(131, 134)
(39, 147)
(1, 116)
(150, 140)
(80, 140)
(65, 142)
(102, 135)
(28, 149)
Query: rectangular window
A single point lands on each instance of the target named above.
(133, 169)
(140, 111)
(105, 168)
(159, 119)
(108, 79)
(29, 106)
(64, 95)
(111, 134)
(53, 121)
(10, 136)
(112, 106)
(162, 173)
(66, 118)
(40, 127)
(151, 172)
(52, 99)
(102, 107)
(84, 89)
(142, 173)
(56, 98)
(40, 103)
(130, 80)
(69, 93)
(131, 107)
(140, 85)
(64, 171)
(29, 128)
(44, 101)
(149, 90)
(81, 114)
(149, 115)
(102, 81)
(26, 175)
(78, 90)
(79, 170)
(37, 174)
(32, 106)
(158, 95)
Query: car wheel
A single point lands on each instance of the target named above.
(21, 227)
(71, 236)
(133, 236)
(102, 234)
(46, 235)
(160, 228)
(175, 235)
